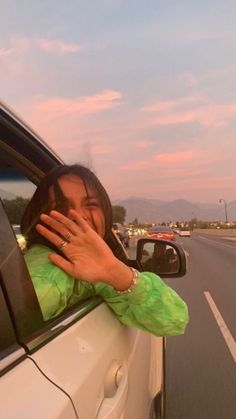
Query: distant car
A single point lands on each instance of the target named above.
(176, 230)
(184, 232)
(20, 239)
(122, 233)
(161, 232)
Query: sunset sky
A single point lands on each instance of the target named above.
(144, 92)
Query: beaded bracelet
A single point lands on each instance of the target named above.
(135, 276)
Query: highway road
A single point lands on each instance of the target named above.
(200, 365)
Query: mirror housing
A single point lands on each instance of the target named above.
(162, 257)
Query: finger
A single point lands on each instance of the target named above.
(51, 236)
(57, 226)
(70, 224)
(81, 221)
(62, 263)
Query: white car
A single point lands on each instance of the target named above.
(19, 237)
(184, 233)
(84, 363)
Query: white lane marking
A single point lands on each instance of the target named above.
(185, 251)
(216, 242)
(230, 342)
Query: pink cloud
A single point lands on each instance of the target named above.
(71, 126)
(165, 160)
(57, 46)
(21, 44)
(167, 105)
(18, 45)
(207, 114)
(173, 119)
(176, 157)
(100, 149)
(5, 52)
(190, 163)
(216, 115)
(57, 107)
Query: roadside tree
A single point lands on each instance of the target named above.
(119, 214)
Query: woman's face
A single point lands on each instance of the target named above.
(81, 200)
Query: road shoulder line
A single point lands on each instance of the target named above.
(217, 242)
(230, 342)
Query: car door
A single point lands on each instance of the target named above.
(104, 366)
(106, 369)
(23, 387)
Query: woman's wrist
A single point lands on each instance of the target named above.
(135, 277)
(120, 276)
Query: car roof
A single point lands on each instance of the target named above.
(19, 143)
(17, 120)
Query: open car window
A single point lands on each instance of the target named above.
(15, 193)
(23, 162)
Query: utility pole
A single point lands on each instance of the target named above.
(226, 215)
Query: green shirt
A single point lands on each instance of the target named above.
(152, 305)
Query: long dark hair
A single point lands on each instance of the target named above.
(41, 202)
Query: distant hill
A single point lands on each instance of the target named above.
(155, 211)
(142, 209)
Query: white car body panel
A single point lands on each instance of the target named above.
(84, 360)
(26, 394)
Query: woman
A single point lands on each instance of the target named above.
(71, 215)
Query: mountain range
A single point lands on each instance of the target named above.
(156, 211)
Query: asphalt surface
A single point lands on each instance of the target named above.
(200, 365)
(201, 373)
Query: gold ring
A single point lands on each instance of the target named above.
(68, 236)
(63, 244)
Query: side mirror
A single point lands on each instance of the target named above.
(163, 257)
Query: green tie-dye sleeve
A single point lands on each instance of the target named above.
(152, 306)
(55, 289)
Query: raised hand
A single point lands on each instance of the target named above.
(87, 256)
